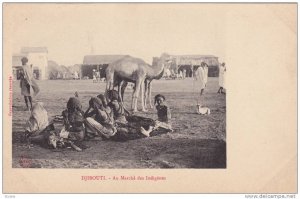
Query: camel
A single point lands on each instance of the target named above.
(130, 69)
(147, 92)
(148, 89)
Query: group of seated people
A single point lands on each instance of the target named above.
(105, 118)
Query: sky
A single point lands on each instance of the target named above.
(71, 31)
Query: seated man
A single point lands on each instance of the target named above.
(72, 133)
(98, 121)
(164, 116)
(38, 130)
(128, 126)
(73, 118)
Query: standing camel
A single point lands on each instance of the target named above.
(148, 88)
(130, 69)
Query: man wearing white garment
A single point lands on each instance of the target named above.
(205, 72)
(222, 73)
(200, 77)
(201, 80)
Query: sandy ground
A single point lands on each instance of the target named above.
(198, 141)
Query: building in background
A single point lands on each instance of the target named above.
(189, 63)
(97, 62)
(37, 59)
(16, 65)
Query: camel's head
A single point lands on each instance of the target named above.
(164, 60)
(160, 60)
(164, 56)
(155, 61)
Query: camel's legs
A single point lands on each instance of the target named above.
(136, 94)
(110, 77)
(149, 95)
(119, 90)
(123, 88)
(146, 93)
(142, 95)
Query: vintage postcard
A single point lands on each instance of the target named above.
(149, 98)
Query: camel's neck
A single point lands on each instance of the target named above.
(156, 71)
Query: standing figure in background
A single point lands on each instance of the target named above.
(200, 78)
(167, 74)
(183, 73)
(180, 75)
(98, 75)
(205, 73)
(26, 82)
(94, 76)
(222, 73)
(58, 75)
(76, 76)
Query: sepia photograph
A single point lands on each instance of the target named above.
(149, 97)
(78, 102)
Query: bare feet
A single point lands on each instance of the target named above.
(144, 132)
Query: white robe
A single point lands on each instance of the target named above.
(200, 79)
(167, 73)
(76, 75)
(222, 74)
(205, 75)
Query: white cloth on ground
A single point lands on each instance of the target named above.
(38, 120)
